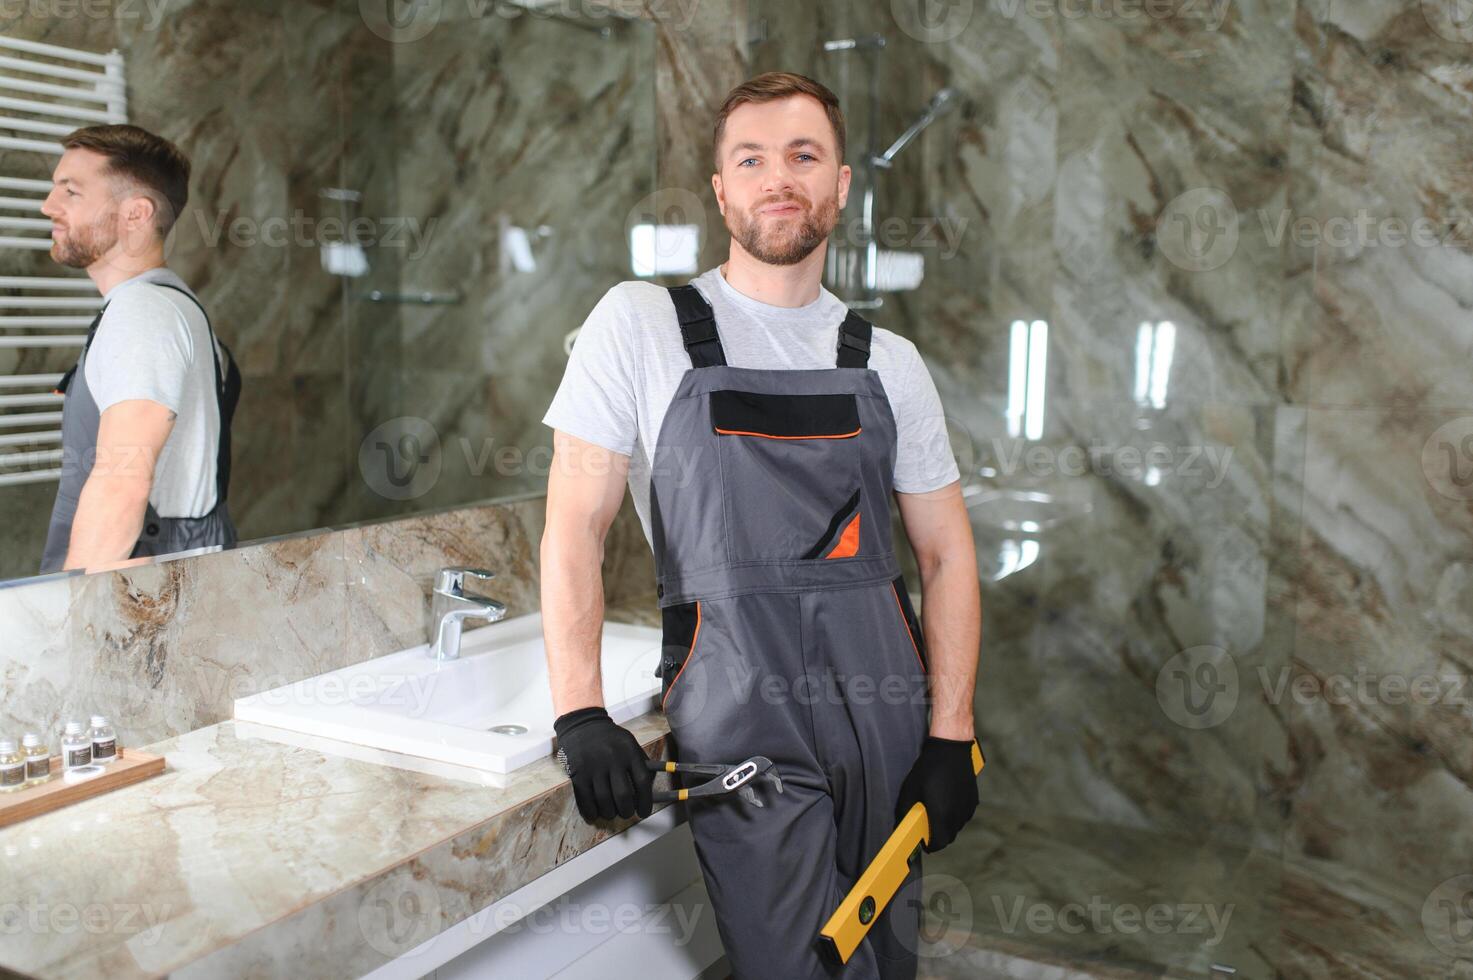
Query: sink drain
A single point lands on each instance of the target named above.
(508, 729)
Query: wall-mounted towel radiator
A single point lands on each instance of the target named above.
(46, 91)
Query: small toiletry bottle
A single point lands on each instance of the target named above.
(12, 767)
(104, 742)
(38, 760)
(76, 747)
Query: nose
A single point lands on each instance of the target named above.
(777, 180)
(49, 207)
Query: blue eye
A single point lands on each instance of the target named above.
(808, 155)
(748, 160)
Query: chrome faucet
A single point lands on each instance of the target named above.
(450, 606)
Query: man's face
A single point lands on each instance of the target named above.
(91, 211)
(780, 184)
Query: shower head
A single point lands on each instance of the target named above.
(941, 99)
(940, 102)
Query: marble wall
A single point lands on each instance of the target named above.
(532, 137)
(147, 645)
(273, 102)
(1227, 581)
(449, 132)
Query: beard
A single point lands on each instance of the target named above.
(84, 245)
(785, 241)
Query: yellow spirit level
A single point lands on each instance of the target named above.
(851, 922)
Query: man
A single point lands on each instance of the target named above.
(145, 423)
(762, 427)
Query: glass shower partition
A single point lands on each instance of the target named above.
(522, 142)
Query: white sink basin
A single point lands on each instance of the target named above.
(490, 710)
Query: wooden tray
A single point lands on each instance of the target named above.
(129, 767)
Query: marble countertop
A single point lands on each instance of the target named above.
(183, 873)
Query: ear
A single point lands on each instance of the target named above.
(720, 193)
(844, 176)
(139, 210)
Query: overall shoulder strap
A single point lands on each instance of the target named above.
(854, 334)
(65, 381)
(214, 354)
(225, 407)
(697, 326)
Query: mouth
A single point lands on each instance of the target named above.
(787, 207)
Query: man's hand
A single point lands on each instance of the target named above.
(608, 767)
(130, 436)
(942, 779)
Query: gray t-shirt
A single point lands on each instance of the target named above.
(145, 347)
(628, 359)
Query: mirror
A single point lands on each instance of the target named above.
(393, 227)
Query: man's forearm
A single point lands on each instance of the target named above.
(572, 617)
(951, 618)
(106, 526)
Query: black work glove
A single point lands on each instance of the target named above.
(608, 768)
(942, 778)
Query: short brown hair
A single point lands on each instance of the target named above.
(771, 86)
(143, 158)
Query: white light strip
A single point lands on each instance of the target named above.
(1017, 377)
(1037, 373)
(1163, 351)
(1144, 336)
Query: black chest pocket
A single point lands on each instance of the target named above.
(790, 474)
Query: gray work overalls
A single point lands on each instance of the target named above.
(788, 632)
(80, 419)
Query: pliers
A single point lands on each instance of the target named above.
(728, 778)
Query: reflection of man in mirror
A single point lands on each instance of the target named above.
(146, 420)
